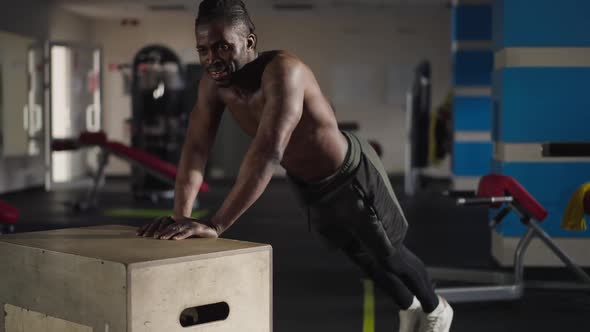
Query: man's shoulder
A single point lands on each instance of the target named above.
(282, 64)
(284, 59)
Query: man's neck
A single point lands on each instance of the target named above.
(254, 56)
(248, 77)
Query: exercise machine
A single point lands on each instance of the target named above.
(507, 195)
(146, 162)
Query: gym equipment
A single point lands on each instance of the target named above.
(561, 149)
(159, 112)
(417, 127)
(147, 162)
(570, 149)
(106, 278)
(578, 205)
(353, 127)
(9, 216)
(505, 193)
(441, 131)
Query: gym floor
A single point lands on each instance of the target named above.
(317, 289)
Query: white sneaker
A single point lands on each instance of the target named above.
(409, 318)
(439, 320)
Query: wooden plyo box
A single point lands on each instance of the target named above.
(107, 279)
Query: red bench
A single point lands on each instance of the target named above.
(496, 185)
(508, 195)
(145, 161)
(9, 216)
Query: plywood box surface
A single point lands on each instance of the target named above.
(107, 279)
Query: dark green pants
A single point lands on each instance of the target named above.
(358, 198)
(356, 210)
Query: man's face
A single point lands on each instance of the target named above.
(223, 49)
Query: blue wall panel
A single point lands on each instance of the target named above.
(471, 158)
(541, 23)
(541, 104)
(473, 68)
(472, 114)
(472, 22)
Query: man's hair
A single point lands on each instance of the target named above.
(232, 11)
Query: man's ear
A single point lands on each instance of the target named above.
(252, 40)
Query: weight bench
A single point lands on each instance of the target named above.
(9, 216)
(500, 191)
(147, 162)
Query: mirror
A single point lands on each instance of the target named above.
(74, 107)
(21, 111)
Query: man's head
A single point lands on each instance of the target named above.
(225, 38)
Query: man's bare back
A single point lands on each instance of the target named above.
(316, 148)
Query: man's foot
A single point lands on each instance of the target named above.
(409, 318)
(439, 320)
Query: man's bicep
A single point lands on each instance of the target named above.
(282, 111)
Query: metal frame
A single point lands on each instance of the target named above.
(7, 228)
(91, 200)
(503, 285)
(48, 117)
(413, 174)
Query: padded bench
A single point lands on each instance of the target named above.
(145, 161)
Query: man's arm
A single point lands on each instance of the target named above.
(283, 90)
(203, 124)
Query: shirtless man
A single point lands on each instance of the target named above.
(275, 99)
